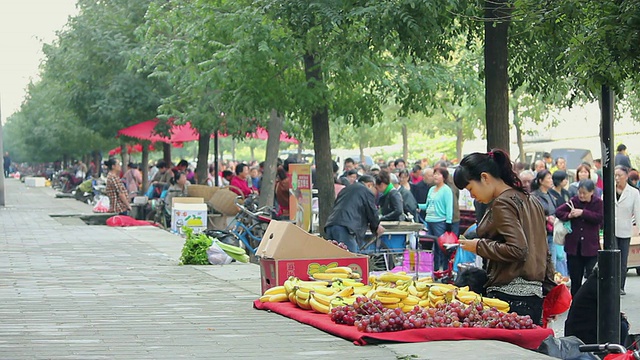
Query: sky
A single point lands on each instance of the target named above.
(24, 26)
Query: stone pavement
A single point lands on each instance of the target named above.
(72, 291)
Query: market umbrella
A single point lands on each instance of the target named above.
(262, 134)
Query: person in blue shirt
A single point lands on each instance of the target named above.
(439, 208)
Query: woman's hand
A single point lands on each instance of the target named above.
(469, 245)
(575, 213)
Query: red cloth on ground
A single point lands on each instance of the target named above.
(529, 339)
(123, 220)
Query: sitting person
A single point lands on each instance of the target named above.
(582, 320)
(178, 188)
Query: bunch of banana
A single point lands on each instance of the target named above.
(309, 299)
(496, 303)
(340, 272)
(468, 297)
(389, 277)
(275, 294)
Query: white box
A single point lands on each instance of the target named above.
(190, 215)
(34, 181)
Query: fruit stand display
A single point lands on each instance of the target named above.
(393, 302)
(316, 282)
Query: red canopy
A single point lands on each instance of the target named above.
(182, 133)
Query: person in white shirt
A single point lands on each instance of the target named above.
(627, 212)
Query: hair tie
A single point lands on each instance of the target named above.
(490, 153)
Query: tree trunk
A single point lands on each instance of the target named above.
(459, 138)
(361, 145)
(144, 164)
(65, 161)
(267, 188)
(233, 150)
(321, 145)
(253, 152)
(216, 163)
(97, 161)
(202, 169)
(405, 143)
(496, 26)
(166, 153)
(300, 148)
(518, 125)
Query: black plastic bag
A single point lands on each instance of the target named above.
(567, 348)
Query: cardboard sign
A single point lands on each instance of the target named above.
(300, 195)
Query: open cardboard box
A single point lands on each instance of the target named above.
(190, 212)
(287, 250)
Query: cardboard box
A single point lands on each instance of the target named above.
(34, 181)
(186, 200)
(190, 215)
(633, 261)
(287, 250)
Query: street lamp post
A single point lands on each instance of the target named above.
(609, 258)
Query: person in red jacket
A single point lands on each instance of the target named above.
(583, 243)
(239, 183)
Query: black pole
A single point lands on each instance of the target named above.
(609, 258)
(215, 158)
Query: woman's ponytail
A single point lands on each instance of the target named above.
(505, 166)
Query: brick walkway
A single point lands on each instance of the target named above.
(72, 291)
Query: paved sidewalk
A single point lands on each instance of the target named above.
(72, 291)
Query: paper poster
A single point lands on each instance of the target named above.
(300, 195)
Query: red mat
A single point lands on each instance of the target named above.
(529, 339)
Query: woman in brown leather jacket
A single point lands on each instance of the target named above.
(512, 233)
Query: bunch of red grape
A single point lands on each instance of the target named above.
(370, 316)
(339, 244)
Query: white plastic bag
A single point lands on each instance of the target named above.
(102, 205)
(217, 256)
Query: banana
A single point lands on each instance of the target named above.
(435, 298)
(426, 279)
(392, 278)
(412, 290)
(351, 282)
(362, 290)
(464, 289)
(348, 291)
(422, 294)
(322, 299)
(354, 275)
(304, 304)
(324, 290)
(386, 291)
(292, 298)
(325, 276)
(275, 290)
(301, 294)
(313, 283)
(370, 293)
(265, 298)
(279, 298)
(411, 300)
(421, 286)
(424, 303)
(339, 270)
(468, 297)
(317, 306)
(438, 290)
(289, 286)
(388, 300)
(497, 303)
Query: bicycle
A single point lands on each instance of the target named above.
(248, 226)
(613, 351)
